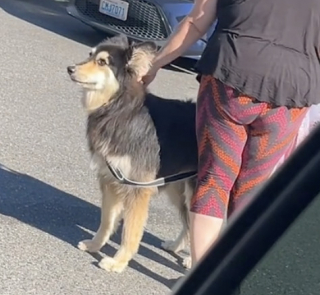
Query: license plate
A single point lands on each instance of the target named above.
(114, 8)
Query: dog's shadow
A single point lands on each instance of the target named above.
(64, 216)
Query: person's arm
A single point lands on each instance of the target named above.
(190, 30)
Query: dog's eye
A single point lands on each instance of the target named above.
(101, 62)
(90, 53)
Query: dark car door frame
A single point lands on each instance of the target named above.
(251, 234)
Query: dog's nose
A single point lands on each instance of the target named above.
(71, 69)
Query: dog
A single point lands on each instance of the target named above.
(144, 136)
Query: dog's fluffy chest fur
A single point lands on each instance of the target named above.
(99, 166)
(124, 136)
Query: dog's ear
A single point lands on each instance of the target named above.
(141, 58)
(119, 39)
(145, 46)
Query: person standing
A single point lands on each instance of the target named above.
(260, 73)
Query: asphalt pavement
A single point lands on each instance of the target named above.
(49, 198)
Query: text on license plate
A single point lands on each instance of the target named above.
(114, 8)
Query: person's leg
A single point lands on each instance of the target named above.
(223, 123)
(220, 142)
(271, 136)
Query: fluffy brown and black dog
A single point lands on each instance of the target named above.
(143, 135)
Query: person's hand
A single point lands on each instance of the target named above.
(149, 76)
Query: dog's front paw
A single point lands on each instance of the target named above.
(187, 262)
(172, 246)
(113, 265)
(89, 246)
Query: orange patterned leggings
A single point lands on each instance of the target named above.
(240, 141)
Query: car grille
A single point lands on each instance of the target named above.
(144, 20)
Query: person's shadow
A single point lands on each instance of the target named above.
(63, 215)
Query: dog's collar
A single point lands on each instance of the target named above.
(117, 173)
